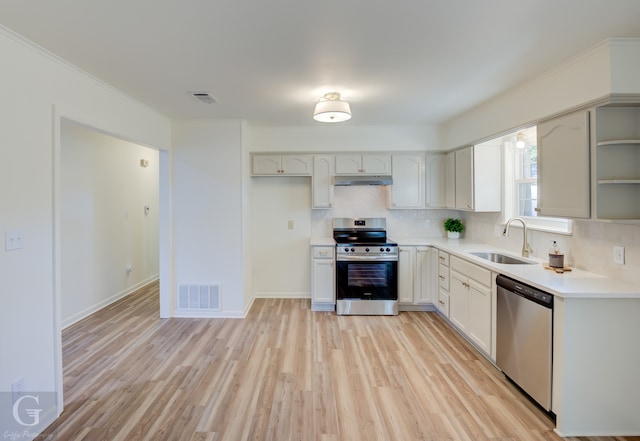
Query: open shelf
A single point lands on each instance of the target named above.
(617, 163)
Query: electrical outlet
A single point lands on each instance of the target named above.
(13, 240)
(17, 389)
(129, 269)
(618, 255)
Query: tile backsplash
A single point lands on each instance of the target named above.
(371, 201)
(589, 248)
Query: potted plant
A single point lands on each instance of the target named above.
(453, 227)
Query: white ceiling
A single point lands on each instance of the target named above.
(396, 62)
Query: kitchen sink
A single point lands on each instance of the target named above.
(500, 258)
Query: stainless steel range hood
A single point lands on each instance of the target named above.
(362, 180)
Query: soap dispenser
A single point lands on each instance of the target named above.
(556, 258)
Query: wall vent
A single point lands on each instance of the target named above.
(201, 297)
(203, 97)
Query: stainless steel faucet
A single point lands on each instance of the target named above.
(526, 248)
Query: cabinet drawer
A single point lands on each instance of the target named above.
(472, 271)
(443, 303)
(443, 276)
(443, 258)
(323, 252)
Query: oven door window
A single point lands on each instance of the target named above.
(367, 280)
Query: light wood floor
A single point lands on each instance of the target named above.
(283, 373)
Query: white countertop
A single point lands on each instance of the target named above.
(570, 284)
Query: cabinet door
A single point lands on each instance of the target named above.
(479, 319)
(563, 166)
(376, 164)
(435, 171)
(348, 164)
(323, 290)
(406, 263)
(424, 276)
(322, 185)
(407, 190)
(266, 164)
(450, 178)
(458, 300)
(296, 164)
(464, 178)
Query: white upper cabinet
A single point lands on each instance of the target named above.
(450, 180)
(280, 164)
(478, 176)
(563, 166)
(408, 186)
(367, 164)
(322, 181)
(436, 173)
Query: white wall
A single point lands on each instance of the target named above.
(31, 84)
(208, 204)
(103, 224)
(583, 78)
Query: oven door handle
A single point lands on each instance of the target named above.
(353, 258)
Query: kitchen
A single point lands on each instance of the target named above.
(216, 155)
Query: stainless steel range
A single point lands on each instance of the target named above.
(366, 267)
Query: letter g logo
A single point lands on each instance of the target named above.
(33, 413)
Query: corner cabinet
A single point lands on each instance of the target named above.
(323, 269)
(477, 179)
(436, 184)
(617, 163)
(408, 172)
(322, 181)
(280, 164)
(564, 166)
(367, 164)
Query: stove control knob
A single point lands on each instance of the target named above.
(353, 250)
(367, 250)
(346, 250)
(388, 249)
(382, 250)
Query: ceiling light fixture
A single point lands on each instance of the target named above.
(520, 140)
(330, 108)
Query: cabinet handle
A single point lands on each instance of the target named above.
(441, 257)
(441, 277)
(441, 302)
(537, 209)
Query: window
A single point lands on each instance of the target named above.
(520, 153)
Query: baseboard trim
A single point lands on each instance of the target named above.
(106, 302)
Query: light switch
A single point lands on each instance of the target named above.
(13, 240)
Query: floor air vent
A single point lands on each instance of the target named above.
(200, 297)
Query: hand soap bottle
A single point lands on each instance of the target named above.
(556, 258)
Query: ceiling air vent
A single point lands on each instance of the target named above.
(203, 97)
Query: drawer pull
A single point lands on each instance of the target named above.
(441, 277)
(441, 302)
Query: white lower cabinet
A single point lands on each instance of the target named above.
(323, 269)
(414, 276)
(470, 302)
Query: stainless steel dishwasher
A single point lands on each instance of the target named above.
(524, 337)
